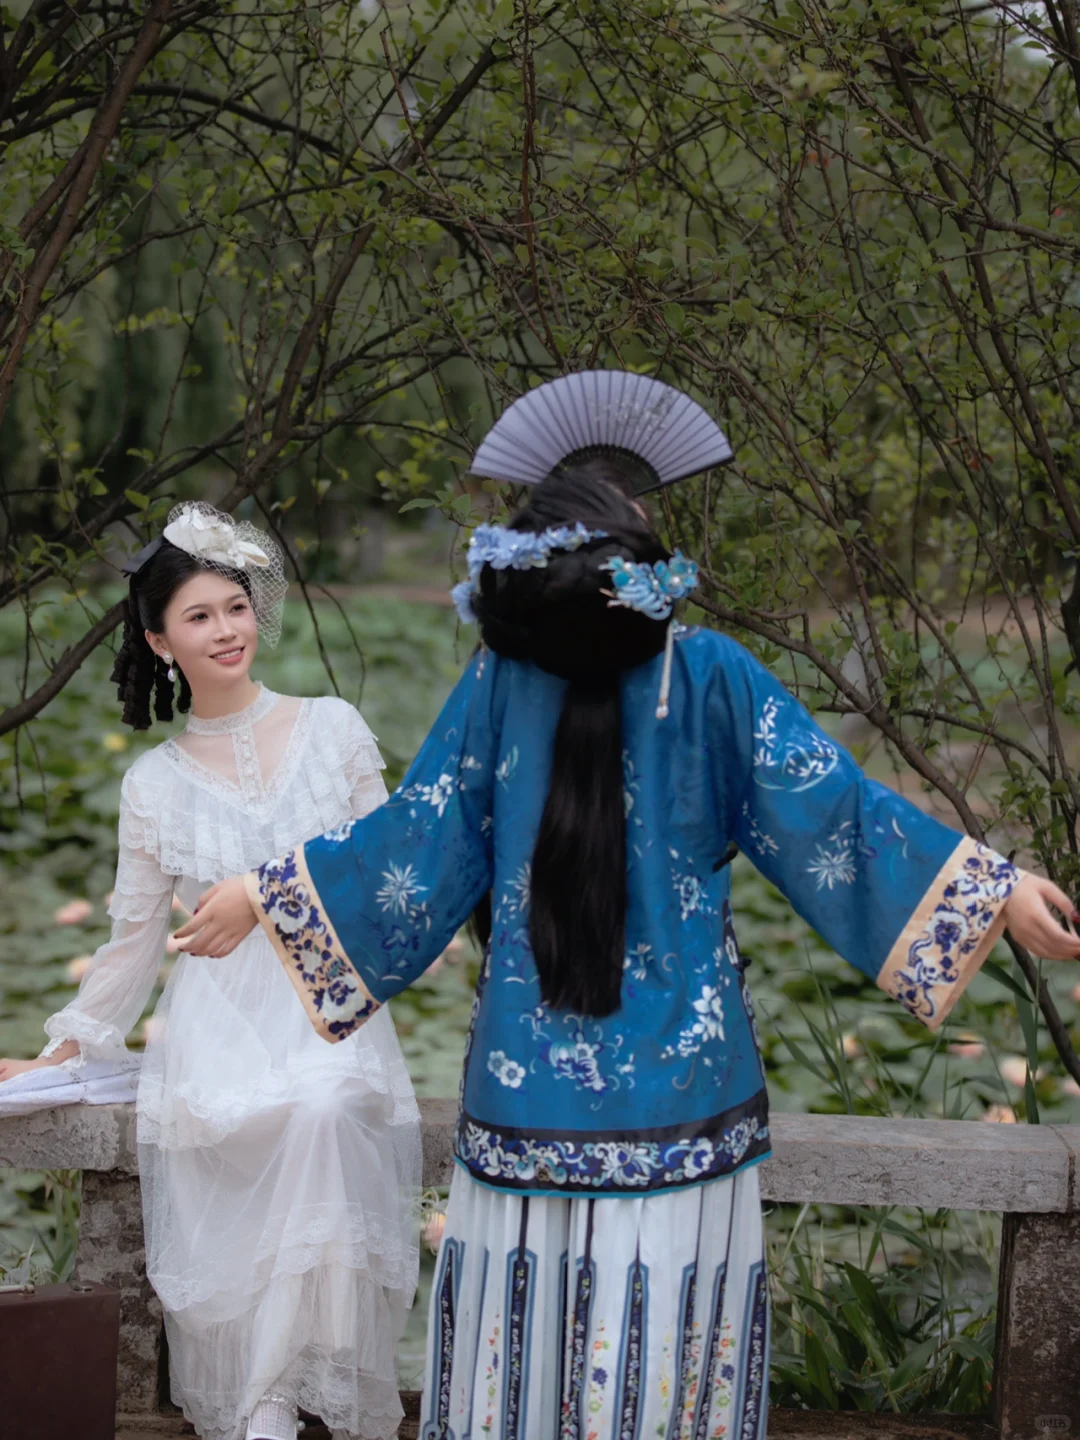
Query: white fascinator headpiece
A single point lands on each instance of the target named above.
(229, 546)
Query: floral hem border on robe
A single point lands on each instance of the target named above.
(599, 1163)
(950, 933)
(288, 907)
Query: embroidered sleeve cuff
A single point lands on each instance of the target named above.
(951, 932)
(288, 907)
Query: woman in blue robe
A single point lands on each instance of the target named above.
(602, 1271)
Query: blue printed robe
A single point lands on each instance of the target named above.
(668, 1091)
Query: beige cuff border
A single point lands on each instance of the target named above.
(950, 933)
(335, 999)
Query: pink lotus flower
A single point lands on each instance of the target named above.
(1014, 1070)
(73, 913)
(1000, 1114)
(78, 967)
(967, 1046)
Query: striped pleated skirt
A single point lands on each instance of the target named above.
(608, 1319)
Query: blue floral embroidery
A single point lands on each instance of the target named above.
(634, 1347)
(608, 1166)
(437, 795)
(508, 1072)
(691, 890)
(708, 1022)
(504, 771)
(835, 866)
(577, 1057)
(447, 1286)
(400, 885)
(515, 901)
(637, 962)
(332, 984)
(755, 1380)
(761, 843)
(520, 1284)
(340, 834)
(570, 1428)
(968, 907)
(837, 861)
(798, 762)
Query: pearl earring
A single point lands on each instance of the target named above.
(170, 672)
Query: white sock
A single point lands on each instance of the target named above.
(274, 1418)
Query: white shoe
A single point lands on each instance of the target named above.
(274, 1418)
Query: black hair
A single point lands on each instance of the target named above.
(558, 616)
(137, 671)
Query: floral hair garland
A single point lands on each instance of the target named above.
(650, 589)
(504, 549)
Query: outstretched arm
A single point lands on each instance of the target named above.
(357, 914)
(912, 903)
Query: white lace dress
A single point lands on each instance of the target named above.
(278, 1171)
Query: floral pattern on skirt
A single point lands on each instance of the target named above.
(609, 1319)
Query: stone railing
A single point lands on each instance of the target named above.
(1028, 1173)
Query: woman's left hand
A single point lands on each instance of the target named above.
(1032, 922)
(223, 917)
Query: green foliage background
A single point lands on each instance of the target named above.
(296, 259)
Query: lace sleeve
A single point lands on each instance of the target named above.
(363, 766)
(118, 982)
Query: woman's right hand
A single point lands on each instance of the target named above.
(10, 1068)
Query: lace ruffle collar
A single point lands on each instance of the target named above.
(251, 714)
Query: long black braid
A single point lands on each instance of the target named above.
(557, 616)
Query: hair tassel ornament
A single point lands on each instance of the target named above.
(653, 591)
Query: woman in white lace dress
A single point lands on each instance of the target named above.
(277, 1170)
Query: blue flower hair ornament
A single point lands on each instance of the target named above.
(651, 589)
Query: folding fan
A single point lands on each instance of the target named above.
(602, 412)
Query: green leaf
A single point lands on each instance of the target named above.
(991, 967)
(139, 501)
(817, 1370)
(420, 503)
(915, 1361)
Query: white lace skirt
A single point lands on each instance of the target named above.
(280, 1176)
(606, 1319)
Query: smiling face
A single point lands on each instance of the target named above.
(209, 629)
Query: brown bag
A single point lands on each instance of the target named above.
(58, 1349)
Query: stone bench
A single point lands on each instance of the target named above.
(1027, 1173)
